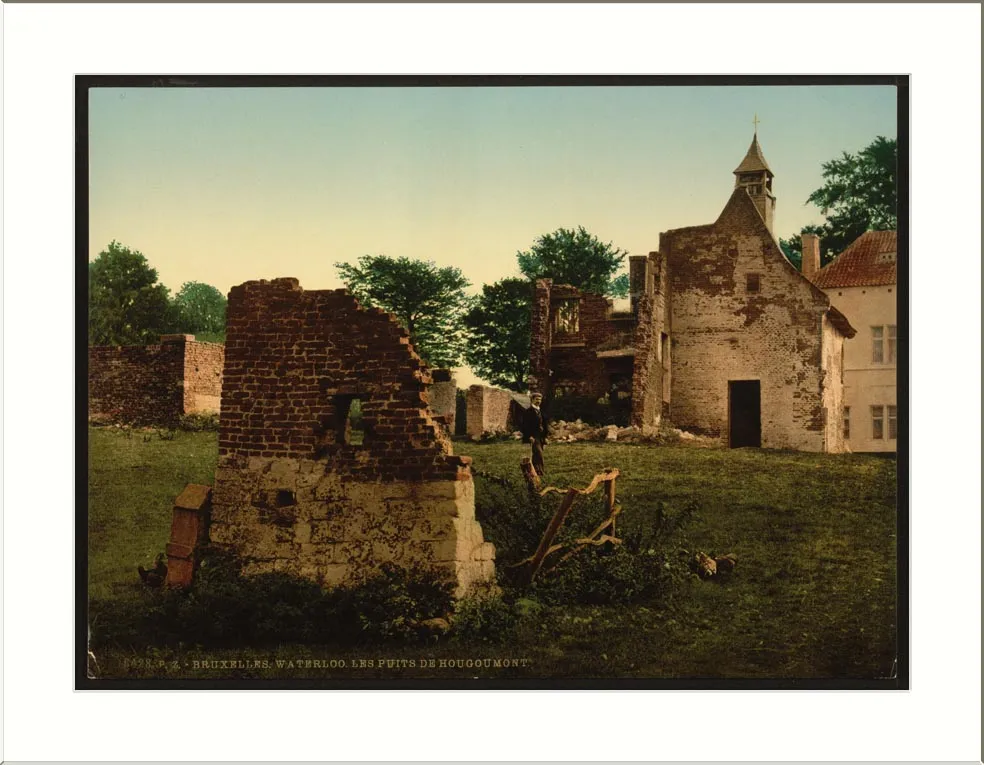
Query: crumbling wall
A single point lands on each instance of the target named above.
(728, 328)
(154, 384)
(833, 389)
(492, 410)
(651, 368)
(443, 397)
(295, 491)
(203, 377)
(592, 358)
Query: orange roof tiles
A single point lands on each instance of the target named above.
(869, 261)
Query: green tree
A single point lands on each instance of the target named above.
(860, 193)
(126, 304)
(499, 326)
(576, 258)
(429, 301)
(200, 309)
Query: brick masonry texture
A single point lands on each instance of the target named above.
(723, 331)
(155, 384)
(294, 492)
(699, 321)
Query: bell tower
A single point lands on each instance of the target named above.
(755, 176)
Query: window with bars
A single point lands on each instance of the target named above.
(847, 422)
(891, 343)
(893, 422)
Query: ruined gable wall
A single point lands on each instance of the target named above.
(138, 383)
(203, 364)
(539, 380)
(292, 492)
(722, 333)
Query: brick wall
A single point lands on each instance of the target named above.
(651, 369)
(443, 392)
(155, 384)
(723, 331)
(583, 362)
(294, 490)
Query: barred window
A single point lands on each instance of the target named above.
(891, 343)
(847, 422)
(893, 422)
(877, 345)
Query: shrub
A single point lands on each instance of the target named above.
(225, 608)
(199, 421)
(486, 619)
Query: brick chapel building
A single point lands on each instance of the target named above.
(725, 337)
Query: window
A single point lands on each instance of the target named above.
(566, 318)
(893, 422)
(884, 343)
(349, 425)
(847, 422)
(878, 422)
(751, 283)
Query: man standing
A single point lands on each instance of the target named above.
(535, 431)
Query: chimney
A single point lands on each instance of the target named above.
(811, 255)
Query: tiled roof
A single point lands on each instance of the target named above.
(865, 263)
(754, 161)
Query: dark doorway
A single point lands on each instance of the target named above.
(744, 413)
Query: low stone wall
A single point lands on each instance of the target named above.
(492, 410)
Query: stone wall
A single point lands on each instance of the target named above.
(651, 367)
(492, 410)
(727, 328)
(443, 397)
(295, 490)
(155, 384)
(203, 377)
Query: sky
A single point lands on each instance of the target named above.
(226, 185)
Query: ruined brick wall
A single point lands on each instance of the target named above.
(138, 383)
(723, 330)
(540, 338)
(651, 370)
(203, 364)
(443, 397)
(491, 410)
(294, 490)
(584, 362)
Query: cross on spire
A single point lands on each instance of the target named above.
(755, 122)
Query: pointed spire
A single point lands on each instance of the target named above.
(754, 160)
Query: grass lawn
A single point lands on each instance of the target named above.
(813, 595)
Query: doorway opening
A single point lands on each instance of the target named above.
(744, 413)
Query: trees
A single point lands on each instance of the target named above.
(859, 194)
(576, 258)
(499, 325)
(126, 304)
(429, 301)
(200, 309)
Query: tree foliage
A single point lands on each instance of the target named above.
(429, 302)
(499, 326)
(126, 304)
(200, 309)
(859, 194)
(577, 258)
